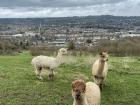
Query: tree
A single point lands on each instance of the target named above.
(88, 41)
(71, 45)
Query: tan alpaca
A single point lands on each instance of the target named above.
(85, 93)
(49, 63)
(100, 69)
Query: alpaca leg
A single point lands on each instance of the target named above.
(51, 75)
(101, 87)
(38, 73)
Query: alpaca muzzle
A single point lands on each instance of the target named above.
(77, 95)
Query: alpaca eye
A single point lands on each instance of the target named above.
(103, 56)
(76, 90)
(96, 76)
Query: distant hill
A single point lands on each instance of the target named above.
(103, 21)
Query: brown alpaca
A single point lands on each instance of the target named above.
(85, 93)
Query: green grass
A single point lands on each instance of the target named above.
(19, 86)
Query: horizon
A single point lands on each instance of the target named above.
(67, 8)
(63, 17)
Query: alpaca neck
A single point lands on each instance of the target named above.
(59, 58)
(101, 66)
(82, 101)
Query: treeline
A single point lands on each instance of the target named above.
(12, 47)
(125, 47)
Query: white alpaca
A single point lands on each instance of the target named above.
(85, 93)
(51, 63)
(100, 69)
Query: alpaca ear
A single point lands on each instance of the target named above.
(105, 50)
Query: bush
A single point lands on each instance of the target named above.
(8, 48)
(41, 50)
(71, 45)
(124, 47)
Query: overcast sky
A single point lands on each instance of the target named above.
(64, 8)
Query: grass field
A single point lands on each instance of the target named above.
(19, 86)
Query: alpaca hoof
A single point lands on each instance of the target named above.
(50, 76)
(101, 87)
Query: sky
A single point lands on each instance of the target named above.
(66, 8)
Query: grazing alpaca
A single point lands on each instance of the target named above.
(50, 63)
(100, 69)
(85, 93)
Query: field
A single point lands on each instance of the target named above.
(19, 86)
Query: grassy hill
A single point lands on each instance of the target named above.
(19, 86)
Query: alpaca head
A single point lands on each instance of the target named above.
(104, 56)
(63, 51)
(78, 89)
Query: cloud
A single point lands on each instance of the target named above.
(55, 8)
(54, 3)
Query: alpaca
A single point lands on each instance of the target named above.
(100, 69)
(85, 93)
(49, 63)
